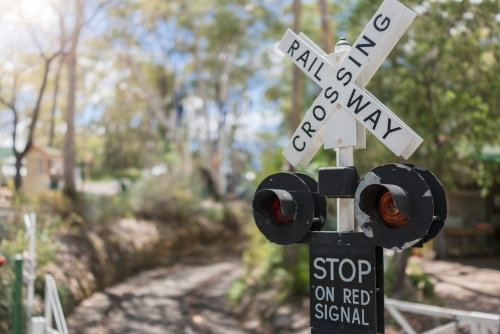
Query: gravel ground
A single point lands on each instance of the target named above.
(179, 299)
(471, 284)
(192, 298)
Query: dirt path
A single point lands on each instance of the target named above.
(179, 299)
(471, 284)
(192, 298)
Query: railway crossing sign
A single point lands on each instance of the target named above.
(397, 206)
(341, 93)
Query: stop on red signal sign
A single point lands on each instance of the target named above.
(346, 284)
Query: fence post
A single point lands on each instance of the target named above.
(31, 267)
(37, 325)
(48, 306)
(18, 289)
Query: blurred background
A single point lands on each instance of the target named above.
(138, 130)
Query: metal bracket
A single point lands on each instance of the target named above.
(339, 182)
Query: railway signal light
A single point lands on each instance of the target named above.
(286, 206)
(400, 206)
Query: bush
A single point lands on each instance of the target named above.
(282, 269)
(98, 209)
(52, 203)
(165, 198)
(7, 299)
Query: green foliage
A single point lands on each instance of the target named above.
(98, 209)
(113, 174)
(52, 203)
(282, 269)
(166, 197)
(7, 299)
(236, 290)
(440, 79)
(16, 242)
(424, 289)
(419, 279)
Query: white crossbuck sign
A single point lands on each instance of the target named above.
(343, 99)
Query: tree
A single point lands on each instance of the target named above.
(70, 59)
(327, 35)
(22, 112)
(12, 104)
(69, 142)
(439, 80)
(213, 36)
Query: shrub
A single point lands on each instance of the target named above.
(165, 198)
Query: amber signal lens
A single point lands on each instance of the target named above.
(390, 215)
(279, 217)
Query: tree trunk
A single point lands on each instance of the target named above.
(326, 29)
(402, 286)
(69, 146)
(54, 105)
(294, 117)
(291, 252)
(19, 155)
(18, 178)
(69, 143)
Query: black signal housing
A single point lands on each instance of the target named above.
(416, 214)
(301, 209)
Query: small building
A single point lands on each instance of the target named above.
(473, 223)
(41, 162)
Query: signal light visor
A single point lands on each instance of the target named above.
(277, 205)
(277, 212)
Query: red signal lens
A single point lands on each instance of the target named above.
(279, 217)
(390, 215)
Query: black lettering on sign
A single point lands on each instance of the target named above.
(295, 146)
(316, 58)
(295, 46)
(316, 116)
(370, 44)
(377, 114)
(386, 21)
(355, 61)
(304, 58)
(308, 130)
(343, 76)
(317, 71)
(358, 101)
(334, 92)
(389, 130)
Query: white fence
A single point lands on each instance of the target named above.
(461, 321)
(53, 308)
